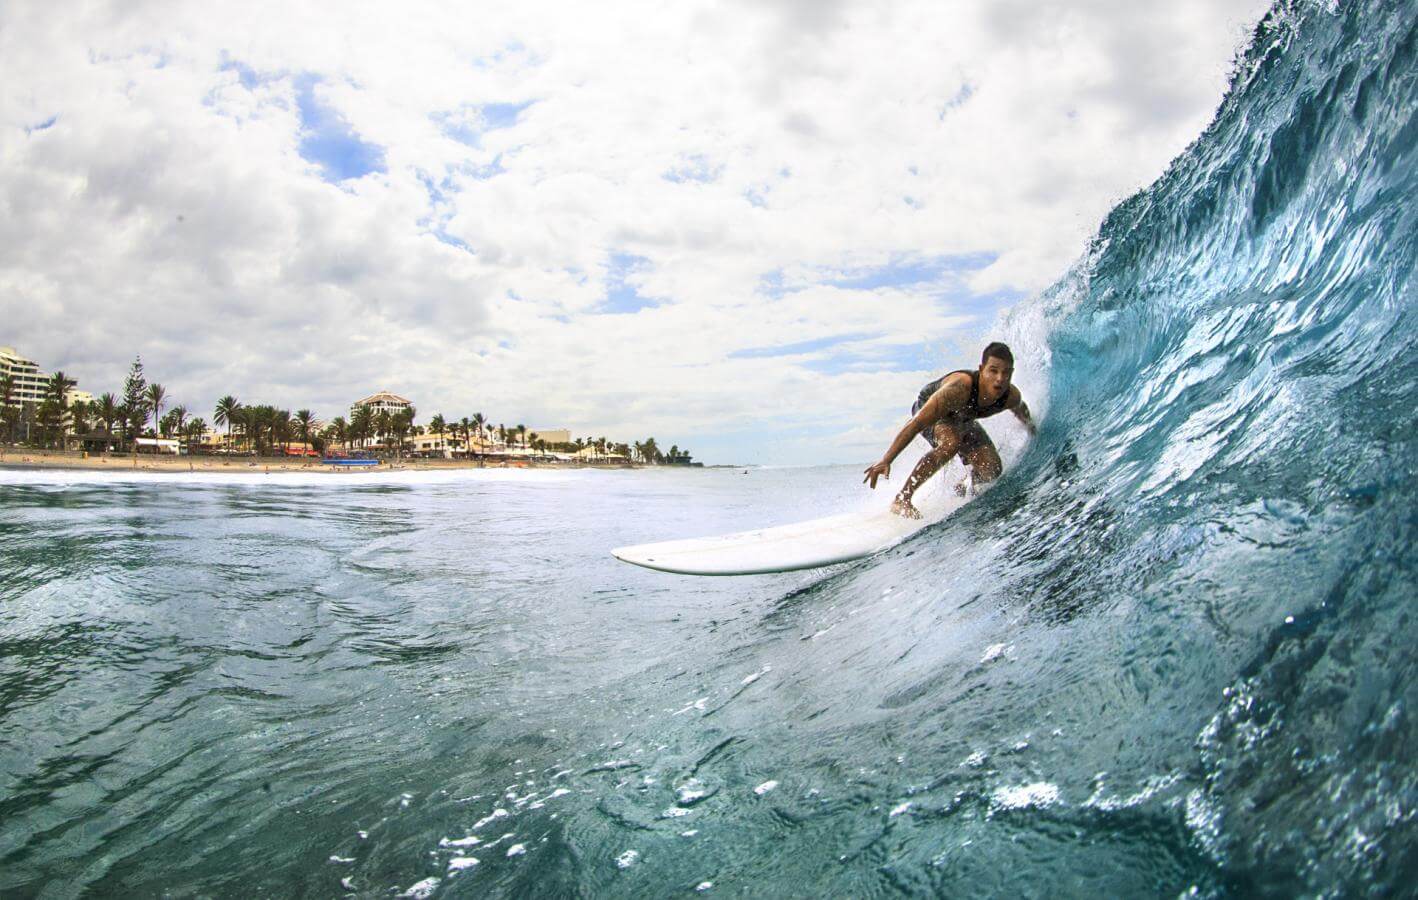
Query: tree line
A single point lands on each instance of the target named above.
(120, 420)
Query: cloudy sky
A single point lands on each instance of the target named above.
(752, 229)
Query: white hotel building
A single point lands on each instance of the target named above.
(381, 402)
(30, 382)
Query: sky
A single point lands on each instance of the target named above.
(749, 229)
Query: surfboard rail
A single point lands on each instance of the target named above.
(784, 548)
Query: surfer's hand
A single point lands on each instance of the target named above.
(904, 509)
(875, 471)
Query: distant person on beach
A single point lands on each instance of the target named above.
(946, 414)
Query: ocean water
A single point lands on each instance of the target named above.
(1171, 652)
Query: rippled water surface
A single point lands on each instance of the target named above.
(295, 683)
(1170, 652)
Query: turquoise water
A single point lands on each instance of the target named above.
(221, 683)
(1170, 652)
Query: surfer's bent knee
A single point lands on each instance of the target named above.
(945, 441)
(985, 464)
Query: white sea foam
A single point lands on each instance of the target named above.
(422, 889)
(995, 651)
(697, 704)
(460, 863)
(498, 813)
(765, 787)
(757, 675)
(469, 841)
(627, 859)
(1040, 793)
(691, 791)
(1151, 787)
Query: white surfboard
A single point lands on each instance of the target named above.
(805, 545)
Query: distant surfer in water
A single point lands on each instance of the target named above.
(946, 414)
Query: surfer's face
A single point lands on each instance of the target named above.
(995, 375)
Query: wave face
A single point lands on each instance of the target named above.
(1173, 649)
(1222, 504)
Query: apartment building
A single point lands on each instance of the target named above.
(381, 402)
(30, 382)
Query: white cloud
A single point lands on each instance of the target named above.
(168, 210)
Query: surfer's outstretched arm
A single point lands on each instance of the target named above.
(1021, 411)
(949, 398)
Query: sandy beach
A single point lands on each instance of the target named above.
(54, 459)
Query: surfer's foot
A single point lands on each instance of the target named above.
(904, 509)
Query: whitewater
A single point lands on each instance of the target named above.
(1169, 653)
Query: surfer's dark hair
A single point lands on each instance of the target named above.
(998, 351)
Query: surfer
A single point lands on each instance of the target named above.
(946, 414)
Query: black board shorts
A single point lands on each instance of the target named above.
(972, 435)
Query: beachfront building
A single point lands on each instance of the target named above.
(439, 445)
(592, 453)
(383, 401)
(30, 387)
(29, 380)
(160, 446)
(553, 436)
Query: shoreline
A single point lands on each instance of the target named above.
(36, 460)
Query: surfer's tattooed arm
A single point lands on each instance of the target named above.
(950, 397)
(1021, 412)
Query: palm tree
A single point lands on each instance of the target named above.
(304, 424)
(57, 399)
(522, 436)
(195, 430)
(401, 423)
(436, 425)
(107, 412)
(339, 429)
(79, 417)
(244, 419)
(281, 428)
(362, 424)
(226, 414)
(156, 396)
(255, 420)
(383, 426)
(7, 396)
(178, 417)
(478, 421)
